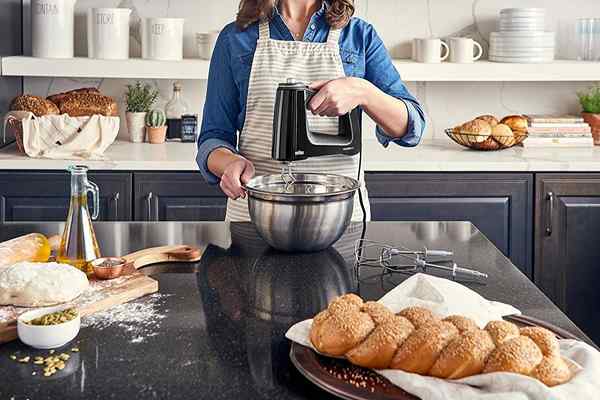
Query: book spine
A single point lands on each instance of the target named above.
(583, 129)
(555, 120)
(558, 125)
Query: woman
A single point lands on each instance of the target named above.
(314, 41)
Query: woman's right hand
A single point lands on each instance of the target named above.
(236, 173)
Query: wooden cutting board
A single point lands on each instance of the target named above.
(102, 295)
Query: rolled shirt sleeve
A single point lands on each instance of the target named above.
(221, 108)
(380, 71)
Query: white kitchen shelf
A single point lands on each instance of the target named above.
(82, 67)
(481, 71)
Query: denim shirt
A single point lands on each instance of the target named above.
(363, 55)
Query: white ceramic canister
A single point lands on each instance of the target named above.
(52, 24)
(162, 38)
(108, 33)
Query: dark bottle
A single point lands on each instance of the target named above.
(175, 109)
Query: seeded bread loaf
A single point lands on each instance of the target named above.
(417, 341)
(60, 97)
(37, 105)
(86, 104)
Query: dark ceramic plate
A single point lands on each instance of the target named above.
(350, 382)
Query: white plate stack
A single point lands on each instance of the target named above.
(522, 37)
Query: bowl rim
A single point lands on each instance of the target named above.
(294, 197)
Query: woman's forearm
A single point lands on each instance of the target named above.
(219, 159)
(388, 112)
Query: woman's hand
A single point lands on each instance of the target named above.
(338, 96)
(237, 173)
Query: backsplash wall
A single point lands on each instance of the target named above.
(397, 22)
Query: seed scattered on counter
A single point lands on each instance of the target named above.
(75, 349)
(13, 357)
(38, 362)
(24, 360)
(34, 373)
(38, 358)
(64, 356)
(51, 351)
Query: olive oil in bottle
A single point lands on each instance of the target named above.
(78, 246)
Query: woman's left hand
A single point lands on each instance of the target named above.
(338, 96)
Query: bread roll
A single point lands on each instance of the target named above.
(60, 97)
(86, 104)
(517, 123)
(479, 130)
(461, 323)
(37, 105)
(419, 316)
(519, 355)
(490, 119)
(501, 331)
(377, 311)
(464, 356)
(552, 371)
(422, 348)
(544, 339)
(379, 347)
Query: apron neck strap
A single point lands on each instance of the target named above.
(334, 37)
(263, 29)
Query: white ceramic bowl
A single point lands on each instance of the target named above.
(50, 336)
(523, 11)
(521, 35)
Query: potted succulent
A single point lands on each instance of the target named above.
(156, 126)
(138, 98)
(590, 102)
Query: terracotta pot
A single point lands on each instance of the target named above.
(135, 126)
(594, 121)
(156, 134)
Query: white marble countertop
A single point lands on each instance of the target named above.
(430, 156)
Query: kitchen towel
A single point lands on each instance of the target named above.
(69, 138)
(446, 297)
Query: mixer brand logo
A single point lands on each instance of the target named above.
(46, 9)
(104, 19)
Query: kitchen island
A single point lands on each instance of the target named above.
(216, 328)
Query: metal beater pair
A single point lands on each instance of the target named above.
(404, 260)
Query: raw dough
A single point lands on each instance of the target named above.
(27, 284)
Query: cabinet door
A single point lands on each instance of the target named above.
(45, 196)
(177, 197)
(567, 233)
(499, 205)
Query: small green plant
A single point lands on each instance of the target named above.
(156, 118)
(590, 100)
(140, 98)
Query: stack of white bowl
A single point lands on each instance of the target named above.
(522, 37)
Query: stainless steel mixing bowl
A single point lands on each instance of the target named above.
(308, 215)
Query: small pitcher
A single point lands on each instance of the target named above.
(78, 246)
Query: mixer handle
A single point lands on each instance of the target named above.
(324, 139)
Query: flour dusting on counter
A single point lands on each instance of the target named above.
(140, 319)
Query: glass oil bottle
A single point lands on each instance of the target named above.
(78, 246)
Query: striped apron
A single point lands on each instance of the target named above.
(274, 62)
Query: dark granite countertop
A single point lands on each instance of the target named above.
(222, 335)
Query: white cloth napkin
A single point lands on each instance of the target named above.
(69, 138)
(446, 297)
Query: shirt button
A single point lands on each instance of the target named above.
(313, 27)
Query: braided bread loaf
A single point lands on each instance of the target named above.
(415, 340)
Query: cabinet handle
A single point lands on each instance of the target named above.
(115, 200)
(149, 205)
(550, 200)
(2, 209)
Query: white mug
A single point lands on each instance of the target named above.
(162, 38)
(108, 33)
(206, 43)
(461, 50)
(430, 50)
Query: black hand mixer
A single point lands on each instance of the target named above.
(293, 139)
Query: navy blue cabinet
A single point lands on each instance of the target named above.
(45, 196)
(566, 245)
(180, 196)
(500, 205)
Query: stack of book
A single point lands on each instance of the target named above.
(558, 131)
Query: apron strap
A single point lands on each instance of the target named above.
(263, 29)
(334, 37)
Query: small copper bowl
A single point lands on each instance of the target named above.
(108, 267)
